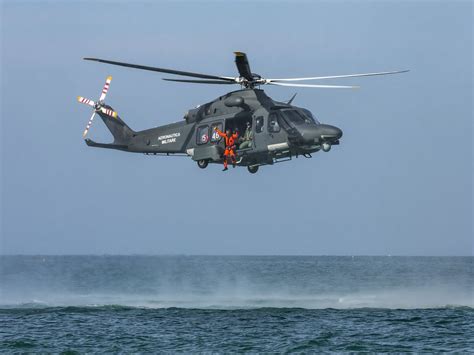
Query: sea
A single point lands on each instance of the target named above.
(236, 304)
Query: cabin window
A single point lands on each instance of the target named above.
(202, 136)
(259, 124)
(215, 138)
(273, 126)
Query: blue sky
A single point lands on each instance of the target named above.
(400, 183)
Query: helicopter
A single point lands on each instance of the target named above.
(278, 130)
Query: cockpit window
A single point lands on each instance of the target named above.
(297, 117)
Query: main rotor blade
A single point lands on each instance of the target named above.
(105, 89)
(243, 65)
(314, 86)
(161, 70)
(201, 81)
(339, 76)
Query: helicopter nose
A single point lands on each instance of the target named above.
(328, 132)
(314, 134)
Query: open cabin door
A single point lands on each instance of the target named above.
(245, 140)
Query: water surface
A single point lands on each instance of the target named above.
(232, 303)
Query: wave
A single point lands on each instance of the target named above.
(357, 301)
(117, 307)
(236, 282)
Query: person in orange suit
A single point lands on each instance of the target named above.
(230, 139)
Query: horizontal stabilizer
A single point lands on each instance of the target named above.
(91, 143)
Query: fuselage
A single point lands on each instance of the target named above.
(279, 130)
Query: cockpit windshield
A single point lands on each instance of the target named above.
(298, 117)
(310, 115)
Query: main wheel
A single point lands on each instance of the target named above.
(252, 169)
(202, 164)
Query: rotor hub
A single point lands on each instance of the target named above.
(98, 105)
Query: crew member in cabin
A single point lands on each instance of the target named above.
(246, 140)
(230, 139)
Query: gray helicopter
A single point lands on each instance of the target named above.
(275, 131)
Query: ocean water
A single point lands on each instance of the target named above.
(236, 304)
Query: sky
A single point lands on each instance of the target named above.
(400, 183)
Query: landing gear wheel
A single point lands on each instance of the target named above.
(326, 147)
(252, 169)
(202, 164)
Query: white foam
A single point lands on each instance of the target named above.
(392, 299)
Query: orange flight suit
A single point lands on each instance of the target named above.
(229, 146)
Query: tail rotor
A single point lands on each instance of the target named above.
(98, 106)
